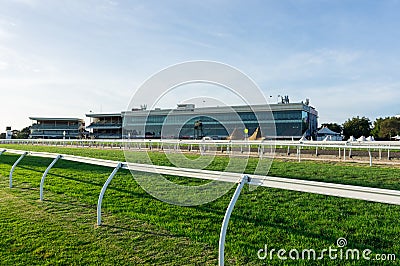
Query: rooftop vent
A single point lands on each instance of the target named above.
(185, 106)
(143, 107)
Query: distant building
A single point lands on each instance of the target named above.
(291, 120)
(327, 134)
(105, 126)
(57, 128)
(276, 121)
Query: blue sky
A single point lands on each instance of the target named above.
(64, 58)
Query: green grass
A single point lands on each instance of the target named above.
(141, 230)
(334, 172)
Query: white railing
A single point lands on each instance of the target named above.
(325, 144)
(192, 141)
(330, 189)
(344, 149)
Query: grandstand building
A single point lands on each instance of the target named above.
(291, 120)
(105, 126)
(57, 128)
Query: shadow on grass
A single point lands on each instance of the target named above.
(26, 188)
(72, 203)
(138, 229)
(100, 185)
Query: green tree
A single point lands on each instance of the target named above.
(333, 126)
(23, 134)
(357, 127)
(389, 127)
(377, 127)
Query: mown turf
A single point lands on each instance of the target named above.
(379, 176)
(140, 230)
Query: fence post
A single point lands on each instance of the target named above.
(45, 174)
(103, 190)
(224, 227)
(299, 153)
(15, 165)
(370, 156)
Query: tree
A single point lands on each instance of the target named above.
(23, 134)
(333, 126)
(389, 127)
(357, 127)
(385, 128)
(377, 127)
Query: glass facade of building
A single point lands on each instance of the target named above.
(275, 121)
(281, 121)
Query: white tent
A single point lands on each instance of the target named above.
(362, 138)
(303, 139)
(327, 138)
(351, 139)
(396, 137)
(370, 138)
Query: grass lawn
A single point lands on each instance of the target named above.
(141, 230)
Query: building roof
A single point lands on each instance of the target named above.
(55, 119)
(103, 115)
(222, 109)
(327, 131)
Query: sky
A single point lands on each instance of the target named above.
(67, 58)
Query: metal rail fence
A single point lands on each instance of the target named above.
(344, 150)
(330, 189)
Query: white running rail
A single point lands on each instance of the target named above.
(345, 149)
